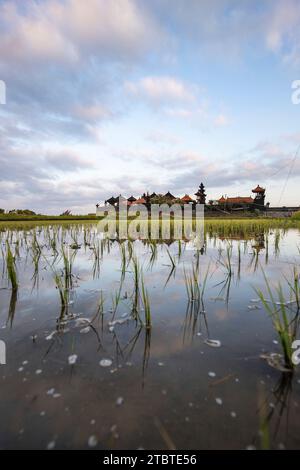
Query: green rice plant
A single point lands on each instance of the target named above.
(116, 297)
(36, 252)
(12, 306)
(295, 286)
(68, 260)
(146, 304)
(100, 309)
(172, 259)
(124, 261)
(226, 262)
(239, 260)
(285, 326)
(153, 256)
(11, 267)
(63, 291)
(192, 286)
(277, 242)
(97, 257)
(136, 287)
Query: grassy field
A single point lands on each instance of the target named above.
(32, 218)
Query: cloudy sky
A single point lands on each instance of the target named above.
(124, 96)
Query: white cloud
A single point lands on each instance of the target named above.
(73, 30)
(162, 89)
(221, 120)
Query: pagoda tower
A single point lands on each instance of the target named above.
(200, 194)
(260, 195)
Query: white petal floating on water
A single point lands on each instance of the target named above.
(50, 391)
(105, 362)
(211, 374)
(219, 401)
(72, 359)
(51, 445)
(119, 401)
(38, 371)
(50, 337)
(85, 330)
(214, 343)
(118, 321)
(56, 395)
(233, 414)
(92, 441)
(81, 322)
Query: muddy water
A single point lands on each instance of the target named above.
(130, 387)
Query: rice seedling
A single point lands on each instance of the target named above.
(153, 256)
(295, 286)
(136, 288)
(116, 297)
(146, 304)
(124, 262)
(100, 310)
(226, 261)
(239, 260)
(195, 313)
(68, 261)
(192, 284)
(97, 257)
(172, 259)
(284, 320)
(11, 268)
(62, 289)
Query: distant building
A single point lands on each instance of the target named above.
(245, 202)
(186, 199)
(260, 196)
(224, 203)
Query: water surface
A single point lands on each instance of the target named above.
(164, 387)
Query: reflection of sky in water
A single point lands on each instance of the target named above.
(174, 384)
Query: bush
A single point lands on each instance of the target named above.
(22, 212)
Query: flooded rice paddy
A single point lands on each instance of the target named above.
(149, 345)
